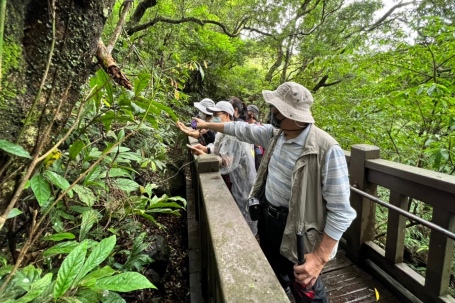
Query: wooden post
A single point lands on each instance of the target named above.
(440, 253)
(396, 227)
(362, 228)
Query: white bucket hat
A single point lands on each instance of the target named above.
(292, 100)
(222, 106)
(202, 106)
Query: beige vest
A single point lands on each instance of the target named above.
(307, 208)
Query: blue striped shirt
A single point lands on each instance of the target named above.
(334, 173)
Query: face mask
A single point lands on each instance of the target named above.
(216, 119)
(202, 116)
(275, 121)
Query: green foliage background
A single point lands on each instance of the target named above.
(386, 82)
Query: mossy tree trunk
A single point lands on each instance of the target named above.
(47, 56)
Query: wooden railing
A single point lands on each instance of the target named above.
(233, 267)
(235, 270)
(367, 172)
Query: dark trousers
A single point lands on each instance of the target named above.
(270, 234)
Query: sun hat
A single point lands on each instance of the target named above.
(253, 108)
(202, 106)
(292, 100)
(222, 106)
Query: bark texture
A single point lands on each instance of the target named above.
(30, 38)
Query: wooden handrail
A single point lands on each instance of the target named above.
(407, 214)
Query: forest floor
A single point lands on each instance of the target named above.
(174, 286)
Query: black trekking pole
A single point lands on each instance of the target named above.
(308, 292)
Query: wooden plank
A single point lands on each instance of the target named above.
(361, 291)
(338, 262)
(345, 276)
(363, 295)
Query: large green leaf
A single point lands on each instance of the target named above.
(98, 255)
(93, 175)
(75, 149)
(59, 237)
(89, 218)
(85, 194)
(112, 297)
(14, 149)
(66, 247)
(41, 189)
(36, 289)
(87, 295)
(141, 83)
(69, 269)
(92, 277)
(124, 282)
(117, 172)
(58, 181)
(126, 184)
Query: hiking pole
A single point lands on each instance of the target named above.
(300, 253)
(308, 292)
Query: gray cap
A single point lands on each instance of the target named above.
(222, 106)
(292, 100)
(202, 106)
(253, 108)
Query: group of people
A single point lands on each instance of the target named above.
(237, 160)
(301, 185)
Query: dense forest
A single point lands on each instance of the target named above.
(90, 92)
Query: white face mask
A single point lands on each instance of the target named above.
(216, 119)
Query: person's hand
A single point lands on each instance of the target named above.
(307, 273)
(200, 123)
(182, 127)
(199, 149)
(203, 131)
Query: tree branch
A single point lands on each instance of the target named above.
(118, 29)
(323, 83)
(387, 14)
(380, 21)
(140, 10)
(223, 27)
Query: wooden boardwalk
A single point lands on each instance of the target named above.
(345, 283)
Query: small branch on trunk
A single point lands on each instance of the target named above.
(110, 66)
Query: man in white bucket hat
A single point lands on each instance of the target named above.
(302, 187)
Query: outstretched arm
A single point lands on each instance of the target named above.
(218, 127)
